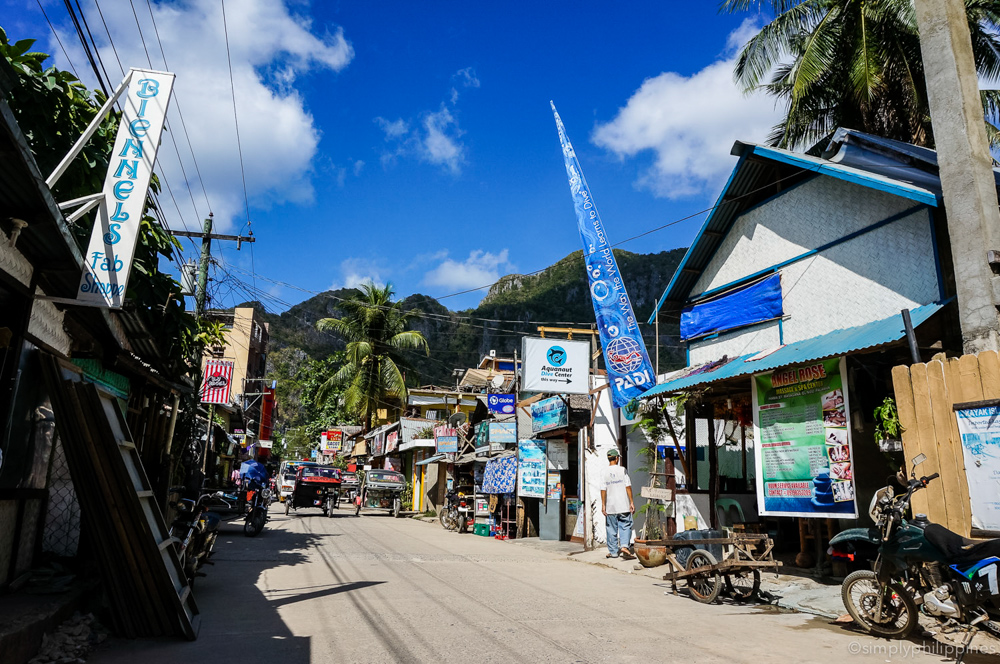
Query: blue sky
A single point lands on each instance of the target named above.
(413, 142)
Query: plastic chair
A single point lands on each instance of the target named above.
(722, 507)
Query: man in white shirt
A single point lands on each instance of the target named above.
(617, 506)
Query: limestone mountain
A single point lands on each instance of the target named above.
(514, 306)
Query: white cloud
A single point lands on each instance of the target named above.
(271, 48)
(690, 123)
(481, 268)
(356, 271)
(436, 137)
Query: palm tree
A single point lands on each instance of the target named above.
(374, 327)
(856, 64)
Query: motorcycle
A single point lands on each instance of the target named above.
(258, 498)
(918, 564)
(194, 531)
(455, 515)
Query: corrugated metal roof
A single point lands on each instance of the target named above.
(838, 342)
(750, 180)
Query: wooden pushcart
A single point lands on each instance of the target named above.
(744, 555)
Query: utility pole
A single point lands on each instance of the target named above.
(965, 167)
(201, 296)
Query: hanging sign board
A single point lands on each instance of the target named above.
(217, 382)
(531, 469)
(979, 428)
(656, 493)
(108, 260)
(501, 404)
(556, 365)
(549, 414)
(265, 444)
(446, 440)
(502, 434)
(558, 454)
(804, 460)
(331, 440)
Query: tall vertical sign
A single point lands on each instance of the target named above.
(112, 241)
(267, 413)
(629, 369)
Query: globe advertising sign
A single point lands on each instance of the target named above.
(629, 370)
(108, 260)
(501, 404)
(556, 366)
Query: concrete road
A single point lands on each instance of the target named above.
(313, 590)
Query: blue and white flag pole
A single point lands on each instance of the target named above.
(629, 369)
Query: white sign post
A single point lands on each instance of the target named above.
(556, 366)
(116, 230)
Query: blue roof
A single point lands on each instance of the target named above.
(838, 342)
(752, 172)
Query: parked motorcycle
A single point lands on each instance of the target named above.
(194, 531)
(258, 498)
(918, 564)
(455, 514)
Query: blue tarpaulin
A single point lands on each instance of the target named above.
(751, 304)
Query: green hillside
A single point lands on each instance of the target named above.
(516, 305)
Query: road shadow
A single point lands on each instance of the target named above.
(238, 623)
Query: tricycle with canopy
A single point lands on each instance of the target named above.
(315, 486)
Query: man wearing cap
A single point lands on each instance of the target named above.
(617, 506)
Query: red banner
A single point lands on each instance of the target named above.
(267, 414)
(218, 382)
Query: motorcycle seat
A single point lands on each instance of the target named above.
(212, 521)
(960, 550)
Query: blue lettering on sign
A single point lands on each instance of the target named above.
(92, 285)
(113, 237)
(134, 146)
(101, 262)
(148, 87)
(119, 214)
(123, 189)
(138, 128)
(131, 166)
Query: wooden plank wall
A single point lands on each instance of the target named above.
(925, 394)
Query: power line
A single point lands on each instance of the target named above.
(86, 47)
(59, 41)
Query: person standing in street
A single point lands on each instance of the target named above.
(617, 506)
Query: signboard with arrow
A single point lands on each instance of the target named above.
(557, 366)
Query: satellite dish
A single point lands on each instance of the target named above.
(497, 381)
(456, 419)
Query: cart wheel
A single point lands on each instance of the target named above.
(743, 586)
(288, 506)
(704, 587)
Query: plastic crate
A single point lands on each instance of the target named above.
(482, 529)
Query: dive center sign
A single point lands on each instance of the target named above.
(557, 366)
(108, 260)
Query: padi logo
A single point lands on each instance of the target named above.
(556, 356)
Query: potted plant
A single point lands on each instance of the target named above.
(887, 427)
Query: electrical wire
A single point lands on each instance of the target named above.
(59, 41)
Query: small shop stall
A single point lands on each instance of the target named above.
(782, 442)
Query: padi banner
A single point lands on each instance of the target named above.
(108, 260)
(804, 459)
(629, 369)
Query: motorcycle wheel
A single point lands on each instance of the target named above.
(331, 504)
(288, 506)
(861, 591)
(254, 523)
(462, 523)
(447, 519)
(397, 507)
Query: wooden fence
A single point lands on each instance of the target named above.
(925, 394)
